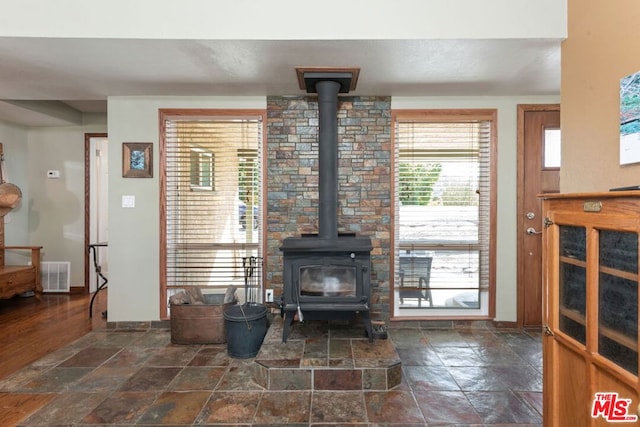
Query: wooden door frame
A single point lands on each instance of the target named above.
(520, 227)
(87, 203)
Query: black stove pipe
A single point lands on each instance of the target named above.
(328, 158)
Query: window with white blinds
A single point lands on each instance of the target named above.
(212, 196)
(443, 232)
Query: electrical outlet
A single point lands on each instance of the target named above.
(268, 295)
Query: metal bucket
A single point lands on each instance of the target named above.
(246, 326)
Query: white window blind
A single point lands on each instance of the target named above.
(212, 195)
(443, 182)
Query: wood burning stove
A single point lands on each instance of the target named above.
(327, 276)
(326, 279)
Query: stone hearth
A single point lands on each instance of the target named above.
(326, 355)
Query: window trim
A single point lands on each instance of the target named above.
(446, 115)
(177, 113)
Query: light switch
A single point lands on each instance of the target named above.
(53, 174)
(128, 201)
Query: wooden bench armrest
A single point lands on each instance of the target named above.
(21, 247)
(35, 254)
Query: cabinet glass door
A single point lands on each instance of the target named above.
(572, 282)
(618, 298)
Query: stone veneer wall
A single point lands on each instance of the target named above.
(364, 180)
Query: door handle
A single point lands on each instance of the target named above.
(532, 230)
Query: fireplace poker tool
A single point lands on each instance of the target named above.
(251, 272)
(250, 265)
(300, 316)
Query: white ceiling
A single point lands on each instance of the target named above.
(82, 73)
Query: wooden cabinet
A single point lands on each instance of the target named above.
(16, 279)
(590, 263)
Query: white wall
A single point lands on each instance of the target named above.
(14, 139)
(56, 206)
(286, 19)
(134, 254)
(51, 213)
(506, 247)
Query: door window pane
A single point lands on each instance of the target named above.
(552, 148)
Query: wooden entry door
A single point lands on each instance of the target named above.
(538, 173)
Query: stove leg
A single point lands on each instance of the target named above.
(367, 324)
(288, 320)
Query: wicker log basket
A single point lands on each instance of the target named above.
(10, 196)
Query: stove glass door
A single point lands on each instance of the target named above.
(328, 280)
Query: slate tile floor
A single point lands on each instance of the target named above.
(457, 377)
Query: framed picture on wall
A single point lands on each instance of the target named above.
(137, 160)
(630, 119)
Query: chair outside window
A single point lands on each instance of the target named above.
(415, 273)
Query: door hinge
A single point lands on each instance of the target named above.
(547, 222)
(547, 330)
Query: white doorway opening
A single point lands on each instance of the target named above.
(97, 229)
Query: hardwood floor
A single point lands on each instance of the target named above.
(33, 327)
